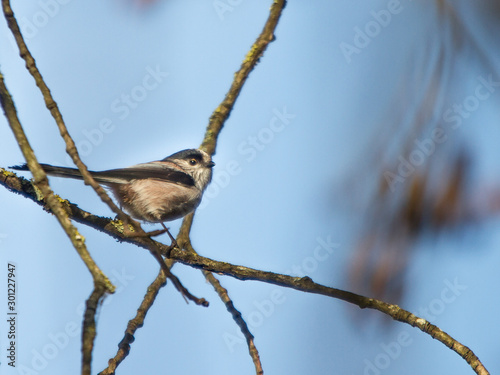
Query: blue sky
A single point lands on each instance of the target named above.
(137, 83)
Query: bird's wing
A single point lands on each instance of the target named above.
(153, 170)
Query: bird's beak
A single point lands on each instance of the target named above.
(211, 164)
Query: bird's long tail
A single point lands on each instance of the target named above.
(52, 170)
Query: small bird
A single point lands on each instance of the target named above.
(154, 192)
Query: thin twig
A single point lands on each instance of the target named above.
(134, 324)
(224, 296)
(89, 327)
(222, 112)
(305, 284)
(156, 251)
(138, 321)
(235, 313)
(182, 289)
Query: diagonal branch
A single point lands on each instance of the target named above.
(101, 282)
(224, 296)
(134, 324)
(89, 327)
(138, 321)
(306, 284)
(222, 112)
(303, 284)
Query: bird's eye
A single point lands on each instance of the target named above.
(193, 162)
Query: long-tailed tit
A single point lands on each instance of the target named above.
(157, 191)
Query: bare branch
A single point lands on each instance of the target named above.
(134, 324)
(89, 327)
(222, 112)
(224, 296)
(165, 266)
(304, 284)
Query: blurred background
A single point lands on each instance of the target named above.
(362, 152)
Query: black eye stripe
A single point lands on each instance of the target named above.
(197, 158)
